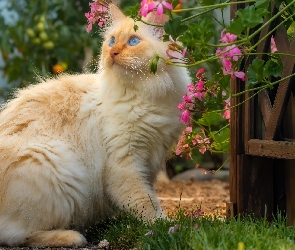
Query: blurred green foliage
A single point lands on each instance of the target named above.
(46, 33)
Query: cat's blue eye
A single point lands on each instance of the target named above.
(133, 41)
(112, 42)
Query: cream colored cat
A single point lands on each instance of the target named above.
(75, 149)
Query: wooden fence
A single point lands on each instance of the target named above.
(262, 165)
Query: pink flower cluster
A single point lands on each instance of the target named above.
(190, 140)
(195, 91)
(229, 56)
(149, 5)
(97, 14)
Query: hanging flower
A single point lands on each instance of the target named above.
(97, 14)
(149, 5)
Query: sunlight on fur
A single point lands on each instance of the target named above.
(77, 148)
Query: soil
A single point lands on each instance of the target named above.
(211, 196)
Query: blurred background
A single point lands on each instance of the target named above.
(47, 37)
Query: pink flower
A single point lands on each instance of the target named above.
(185, 116)
(161, 4)
(226, 113)
(227, 37)
(97, 14)
(149, 233)
(273, 46)
(149, 5)
(228, 55)
(189, 129)
(175, 51)
(228, 70)
(175, 54)
(200, 72)
(200, 86)
(233, 52)
(173, 229)
(146, 7)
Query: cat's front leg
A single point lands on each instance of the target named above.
(130, 191)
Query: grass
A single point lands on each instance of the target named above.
(203, 232)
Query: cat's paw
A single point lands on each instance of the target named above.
(56, 238)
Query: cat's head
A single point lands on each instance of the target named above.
(126, 53)
(126, 49)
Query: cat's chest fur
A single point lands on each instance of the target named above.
(135, 126)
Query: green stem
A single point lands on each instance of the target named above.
(198, 14)
(224, 127)
(277, 53)
(270, 20)
(227, 3)
(151, 24)
(189, 65)
(275, 28)
(222, 164)
(264, 86)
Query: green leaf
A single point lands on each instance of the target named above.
(210, 118)
(236, 26)
(222, 136)
(263, 4)
(273, 68)
(174, 27)
(250, 16)
(255, 70)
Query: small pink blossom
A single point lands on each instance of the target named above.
(161, 4)
(233, 52)
(149, 5)
(200, 86)
(228, 70)
(173, 229)
(200, 72)
(273, 46)
(149, 233)
(185, 116)
(226, 113)
(227, 37)
(146, 7)
(189, 129)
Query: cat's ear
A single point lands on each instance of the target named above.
(154, 18)
(115, 13)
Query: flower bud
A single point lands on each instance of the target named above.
(154, 64)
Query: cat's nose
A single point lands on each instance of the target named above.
(114, 52)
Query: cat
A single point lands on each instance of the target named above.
(76, 149)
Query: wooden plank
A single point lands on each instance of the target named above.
(255, 186)
(265, 106)
(231, 210)
(282, 98)
(290, 188)
(272, 149)
(289, 131)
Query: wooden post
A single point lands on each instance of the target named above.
(289, 132)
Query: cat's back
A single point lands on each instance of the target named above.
(49, 104)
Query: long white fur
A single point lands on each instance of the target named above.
(75, 149)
